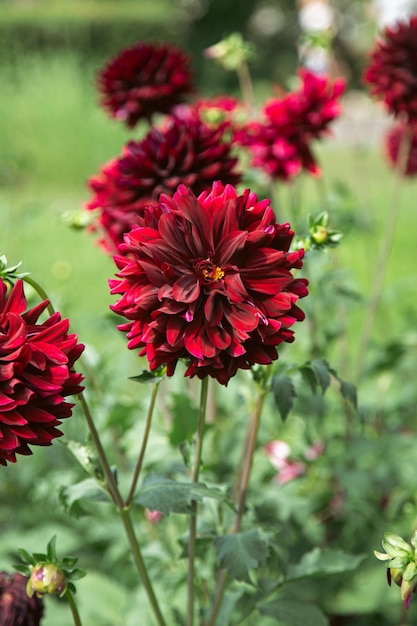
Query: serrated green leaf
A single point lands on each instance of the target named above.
(349, 392)
(291, 613)
(283, 390)
(88, 489)
(241, 552)
(86, 456)
(159, 493)
(321, 372)
(322, 562)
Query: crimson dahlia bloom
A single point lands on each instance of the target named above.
(280, 145)
(391, 73)
(185, 151)
(209, 281)
(36, 374)
(144, 79)
(392, 146)
(16, 608)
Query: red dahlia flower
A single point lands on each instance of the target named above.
(392, 69)
(144, 79)
(16, 608)
(209, 281)
(392, 146)
(185, 151)
(36, 374)
(281, 144)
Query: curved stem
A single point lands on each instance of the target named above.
(140, 564)
(385, 252)
(40, 291)
(74, 610)
(193, 517)
(246, 86)
(250, 443)
(145, 437)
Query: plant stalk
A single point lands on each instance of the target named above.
(193, 517)
(145, 437)
(73, 606)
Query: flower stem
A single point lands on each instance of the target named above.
(250, 443)
(246, 86)
(385, 252)
(40, 291)
(74, 610)
(145, 437)
(193, 517)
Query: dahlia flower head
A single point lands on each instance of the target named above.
(36, 374)
(209, 280)
(185, 150)
(16, 608)
(391, 73)
(392, 146)
(145, 79)
(280, 145)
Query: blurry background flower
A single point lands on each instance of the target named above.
(36, 374)
(144, 79)
(211, 283)
(16, 608)
(392, 143)
(185, 151)
(391, 73)
(281, 144)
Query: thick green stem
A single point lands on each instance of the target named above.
(144, 444)
(193, 517)
(384, 255)
(74, 610)
(250, 443)
(40, 291)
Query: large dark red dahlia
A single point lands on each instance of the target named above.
(393, 141)
(280, 145)
(16, 608)
(36, 374)
(145, 79)
(209, 281)
(185, 151)
(391, 72)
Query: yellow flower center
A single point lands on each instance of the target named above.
(209, 271)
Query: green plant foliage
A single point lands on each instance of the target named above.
(241, 552)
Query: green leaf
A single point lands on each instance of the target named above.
(88, 489)
(322, 562)
(185, 417)
(51, 550)
(86, 456)
(283, 390)
(321, 371)
(146, 376)
(294, 613)
(349, 392)
(26, 557)
(241, 552)
(159, 493)
(76, 574)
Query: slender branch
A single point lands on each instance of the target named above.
(193, 517)
(74, 610)
(145, 437)
(140, 564)
(385, 252)
(250, 443)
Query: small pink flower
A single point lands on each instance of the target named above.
(154, 517)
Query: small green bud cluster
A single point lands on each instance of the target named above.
(9, 272)
(230, 52)
(401, 561)
(320, 235)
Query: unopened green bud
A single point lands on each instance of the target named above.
(319, 236)
(230, 52)
(46, 578)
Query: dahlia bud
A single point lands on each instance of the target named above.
(230, 52)
(320, 233)
(46, 578)
(401, 563)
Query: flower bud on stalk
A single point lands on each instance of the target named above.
(401, 561)
(46, 578)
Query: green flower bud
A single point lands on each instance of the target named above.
(46, 578)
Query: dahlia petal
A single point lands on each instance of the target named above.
(186, 289)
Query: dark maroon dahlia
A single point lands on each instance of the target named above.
(36, 374)
(209, 281)
(145, 79)
(391, 72)
(281, 144)
(186, 151)
(393, 146)
(16, 608)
